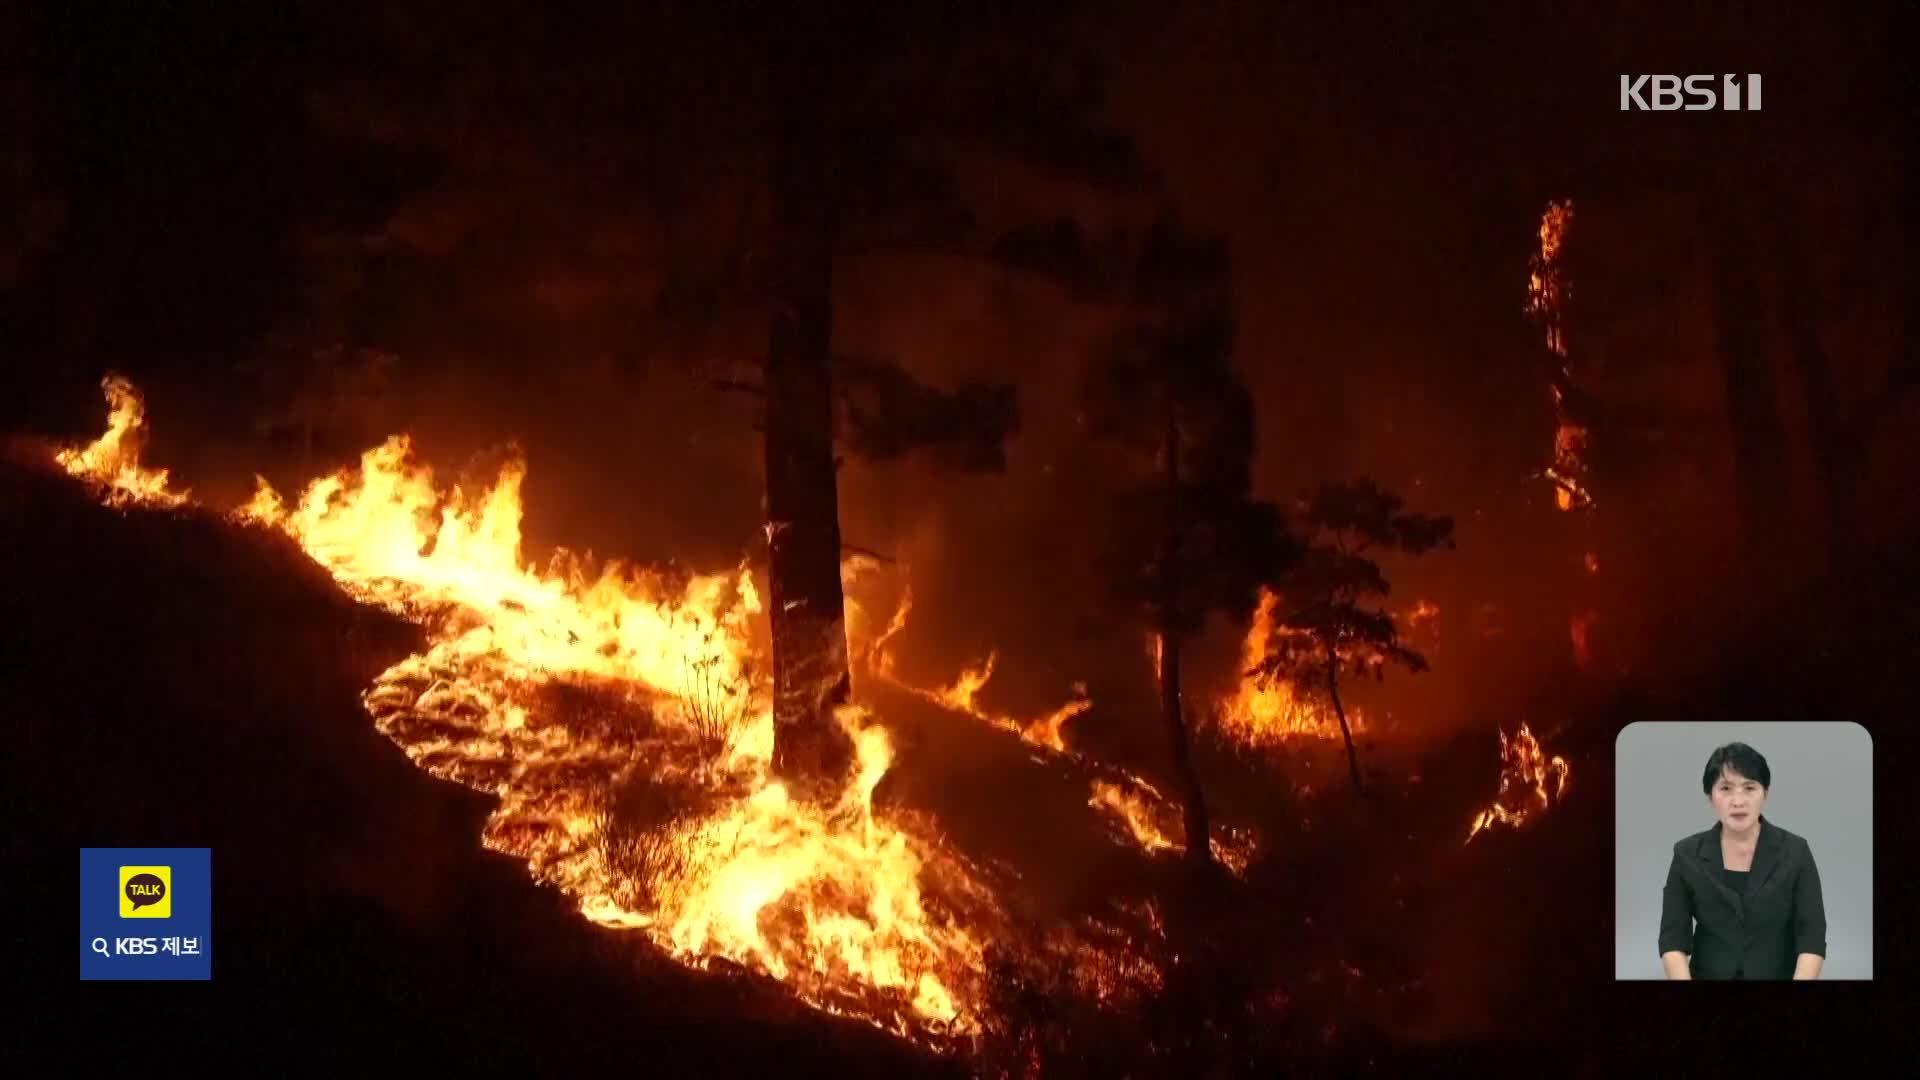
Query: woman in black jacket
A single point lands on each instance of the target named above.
(1742, 899)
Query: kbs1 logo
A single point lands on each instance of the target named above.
(1694, 93)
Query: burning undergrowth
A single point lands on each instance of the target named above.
(1134, 811)
(614, 714)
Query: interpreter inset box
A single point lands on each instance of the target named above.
(1743, 851)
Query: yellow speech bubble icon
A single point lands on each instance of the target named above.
(146, 892)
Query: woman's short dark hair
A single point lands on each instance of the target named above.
(1740, 758)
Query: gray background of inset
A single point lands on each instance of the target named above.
(1822, 789)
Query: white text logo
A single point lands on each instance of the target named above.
(1694, 93)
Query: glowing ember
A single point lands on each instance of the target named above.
(1580, 630)
(1265, 711)
(1422, 615)
(1525, 775)
(1546, 284)
(111, 463)
(1568, 471)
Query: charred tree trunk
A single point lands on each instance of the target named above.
(1339, 710)
(1753, 412)
(1199, 834)
(810, 673)
(1172, 711)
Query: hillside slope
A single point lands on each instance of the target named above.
(172, 679)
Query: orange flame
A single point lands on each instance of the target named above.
(834, 900)
(1137, 811)
(565, 693)
(880, 653)
(959, 696)
(1524, 773)
(1152, 822)
(1546, 283)
(1548, 290)
(1144, 811)
(111, 463)
(1265, 711)
(1043, 731)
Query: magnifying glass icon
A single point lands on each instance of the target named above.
(100, 946)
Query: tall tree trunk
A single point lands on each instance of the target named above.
(810, 674)
(1339, 710)
(1753, 412)
(1172, 711)
(1199, 834)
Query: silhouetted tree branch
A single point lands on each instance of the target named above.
(1187, 539)
(1325, 624)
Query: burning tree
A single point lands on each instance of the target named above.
(1578, 417)
(1327, 625)
(1188, 539)
(821, 135)
(848, 167)
(1524, 772)
(810, 674)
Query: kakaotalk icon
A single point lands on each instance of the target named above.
(173, 885)
(144, 892)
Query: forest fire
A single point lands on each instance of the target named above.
(1142, 816)
(1549, 289)
(574, 695)
(1137, 815)
(856, 913)
(1042, 731)
(1152, 822)
(945, 543)
(1547, 293)
(959, 696)
(113, 460)
(1525, 774)
(1264, 711)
